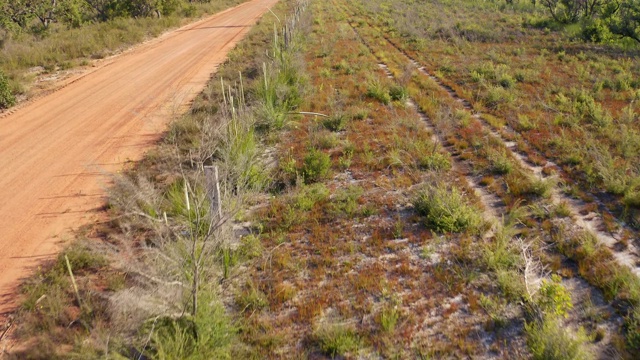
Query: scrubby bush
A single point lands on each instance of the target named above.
(435, 162)
(378, 91)
(522, 184)
(549, 340)
(506, 81)
(632, 197)
(6, 97)
(309, 195)
(335, 123)
(595, 30)
(316, 166)
(445, 209)
(496, 96)
(500, 162)
(553, 298)
(398, 93)
(335, 340)
(632, 328)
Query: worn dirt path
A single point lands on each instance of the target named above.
(56, 152)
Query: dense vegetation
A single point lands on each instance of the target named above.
(601, 20)
(19, 15)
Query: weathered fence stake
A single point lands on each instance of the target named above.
(213, 190)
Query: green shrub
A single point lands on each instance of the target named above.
(316, 166)
(632, 328)
(378, 91)
(324, 140)
(81, 257)
(500, 254)
(209, 335)
(435, 162)
(398, 93)
(500, 163)
(632, 198)
(586, 106)
(251, 298)
(595, 30)
(335, 123)
(553, 298)
(511, 285)
(7, 99)
(548, 340)
(506, 81)
(496, 96)
(524, 123)
(310, 195)
(345, 202)
(445, 210)
(335, 340)
(521, 184)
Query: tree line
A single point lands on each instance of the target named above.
(602, 19)
(16, 15)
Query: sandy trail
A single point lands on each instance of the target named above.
(56, 153)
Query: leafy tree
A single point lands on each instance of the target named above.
(44, 10)
(563, 11)
(17, 12)
(73, 12)
(623, 18)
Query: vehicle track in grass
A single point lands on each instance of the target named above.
(494, 208)
(628, 255)
(58, 151)
(495, 212)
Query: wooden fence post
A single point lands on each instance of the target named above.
(213, 190)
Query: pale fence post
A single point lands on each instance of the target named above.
(213, 190)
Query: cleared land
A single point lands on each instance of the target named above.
(57, 152)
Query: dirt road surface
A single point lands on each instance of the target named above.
(56, 153)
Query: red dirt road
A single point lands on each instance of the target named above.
(56, 153)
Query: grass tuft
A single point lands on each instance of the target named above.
(316, 166)
(446, 210)
(336, 339)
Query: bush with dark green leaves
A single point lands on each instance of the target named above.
(446, 210)
(6, 97)
(316, 166)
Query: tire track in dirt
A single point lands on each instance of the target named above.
(495, 211)
(628, 256)
(494, 208)
(58, 150)
(590, 221)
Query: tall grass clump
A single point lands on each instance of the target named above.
(281, 91)
(548, 340)
(446, 210)
(379, 91)
(336, 339)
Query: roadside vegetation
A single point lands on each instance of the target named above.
(390, 187)
(153, 281)
(44, 37)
